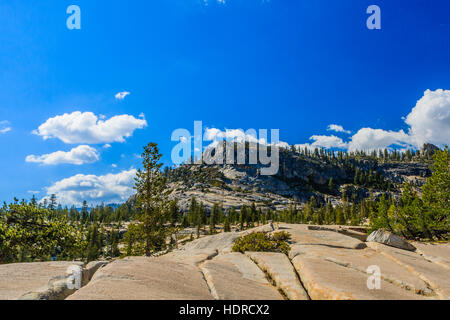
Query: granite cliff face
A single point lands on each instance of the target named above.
(299, 177)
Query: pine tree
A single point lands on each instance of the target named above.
(192, 212)
(84, 212)
(226, 225)
(52, 204)
(331, 185)
(380, 220)
(152, 198)
(436, 195)
(130, 238)
(241, 218)
(212, 222)
(174, 212)
(34, 200)
(340, 220)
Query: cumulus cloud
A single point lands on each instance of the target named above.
(79, 155)
(109, 188)
(4, 126)
(328, 142)
(321, 141)
(429, 120)
(78, 127)
(374, 139)
(122, 95)
(337, 128)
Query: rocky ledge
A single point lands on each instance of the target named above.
(325, 262)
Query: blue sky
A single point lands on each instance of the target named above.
(297, 66)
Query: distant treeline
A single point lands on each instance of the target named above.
(31, 231)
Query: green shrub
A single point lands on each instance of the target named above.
(263, 242)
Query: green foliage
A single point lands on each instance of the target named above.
(263, 242)
(191, 175)
(436, 195)
(130, 238)
(226, 225)
(174, 212)
(414, 217)
(31, 233)
(152, 201)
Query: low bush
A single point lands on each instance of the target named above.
(263, 242)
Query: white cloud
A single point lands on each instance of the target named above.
(107, 146)
(79, 155)
(337, 128)
(109, 188)
(114, 165)
(121, 95)
(4, 126)
(86, 127)
(429, 120)
(373, 139)
(326, 142)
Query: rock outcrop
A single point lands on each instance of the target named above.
(324, 263)
(44, 280)
(298, 179)
(390, 239)
(279, 269)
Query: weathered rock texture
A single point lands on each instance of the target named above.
(324, 263)
(390, 239)
(298, 179)
(279, 269)
(42, 280)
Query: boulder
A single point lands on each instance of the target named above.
(354, 232)
(390, 239)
